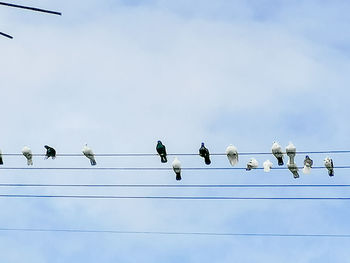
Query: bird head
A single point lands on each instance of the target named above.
(202, 144)
(46, 147)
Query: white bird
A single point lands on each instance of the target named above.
(307, 165)
(232, 154)
(252, 164)
(328, 163)
(294, 169)
(89, 154)
(267, 166)
(177, 168)
(277, 152)
(1, 162)
(291, 151)
(27, 152)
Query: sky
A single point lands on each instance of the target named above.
(120, 75)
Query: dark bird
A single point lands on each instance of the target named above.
(161, 151)
(328, 163)
(307, 165)
(277, 152)
(177, 168)
(50, 152)
(204, 152)
(1, 162)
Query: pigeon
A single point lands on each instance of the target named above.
(277, 152)
(161, 151)
(267, 166)
(26, 151)
(1, 162)
(328, 163)
(252, 164)
(232, 154)
(307, 165)
(294, 169)
(291, 151)
(89, 154)
(177, 168)
(204, 152)
(50, 152)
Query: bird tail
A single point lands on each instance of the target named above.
(331, 172)
(280, 161)
(29, 161)
(296, 175)
(163, 159)
(1, 162)
(178, 176)
(207, 160)
(267, 169)
(306, 169)
(233, 160)
(93, 161)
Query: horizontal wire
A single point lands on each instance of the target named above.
(178, 186)
(170, 197)
(95, 231)
(156, 168)
(31, 8)
(174, 154)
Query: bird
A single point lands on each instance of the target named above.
(267, 166)
(89, 154)
(277, 152)
(328, 163)
(291, 151)
(307, 165)
(232, 154)
(1, 161)
(252, 164)
(27, 152)
(294, 169)
(50, 152)
(204, 152)
(177, 168)
(161, 150)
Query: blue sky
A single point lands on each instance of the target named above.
(120, 75)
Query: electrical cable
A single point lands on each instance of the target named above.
(31, 8)
(218, 234)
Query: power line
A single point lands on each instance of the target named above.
(156, 168)
(171, 197)
(178, 186)
(217, 234)
(177, 154)
(31, 8)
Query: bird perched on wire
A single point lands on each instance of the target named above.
(277, 152)
(89, 154)
(328, 163)
(27, 152)
(232, 154)
(294, 169)
(50, 152)
(267, 166)
(177, 168)
(1, 161)
(252, 164)
(291, 151)
(161, 150)
(204, 152)
(307, 165)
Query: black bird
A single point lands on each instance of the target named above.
(204, 152)
(161, 151)
(50, 152)
(1, 162)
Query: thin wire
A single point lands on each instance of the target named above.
(6, 35)
(171, 197)
(31, 8)
(178, 186)
(176, 154)
(95, 231)
(155, 168)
